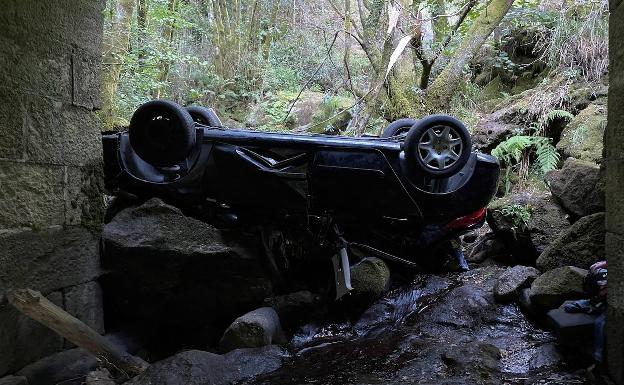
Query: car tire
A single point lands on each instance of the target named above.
(162, 133)
(204, 115)
(439, 145)
(398, 127)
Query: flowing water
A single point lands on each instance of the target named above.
(438, 330)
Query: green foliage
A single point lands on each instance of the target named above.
(518, 215)
(540, 126)
(521, 150)
(579, 40)
(331, 118)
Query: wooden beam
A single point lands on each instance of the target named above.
(34, 305)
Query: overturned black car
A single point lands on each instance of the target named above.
(396, 197)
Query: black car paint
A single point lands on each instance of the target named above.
(363, 184)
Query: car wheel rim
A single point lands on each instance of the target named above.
(440, 147)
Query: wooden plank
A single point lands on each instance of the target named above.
(34, 305)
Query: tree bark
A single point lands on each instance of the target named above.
(442, 89)
(115, 46)
(37, 307)
(141, 29)
(168, 33)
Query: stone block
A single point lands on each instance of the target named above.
(615, 127)
(60, 133)
(75, 23)
(86, 80)
(48, 260)
(84, 202)
(30, 195)
(614, 198)
(615, 315)
(615, 341)
(12, 124)
(39, 70)
(85, 303)
(23, 340)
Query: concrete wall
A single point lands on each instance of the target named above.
(614, 160)
(50, 165)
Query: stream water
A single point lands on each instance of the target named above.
(438, 330)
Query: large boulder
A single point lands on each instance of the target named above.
(556, 286)
(580, 245)
(185, 276)
(582, 138)
(195, 367)
(465, 306)
(579, 187)
(527, 223)
(257, 328)
(512, 281)
(491, 131)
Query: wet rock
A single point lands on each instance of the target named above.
(486, 247)
(582, 138)
(370, 277)
(465, 306)
(545, 356)
(472, 356)
(184, 275)
(13, 380)
(195, 367)
(527, 223)
(580, 245)
(257, 328)
(579, 187)
(246, 363)
(513, 280)
(556, 286)
(99, 377)
(525, 303)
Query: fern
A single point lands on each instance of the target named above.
(547, 155)
(538, 127)
(513, 150)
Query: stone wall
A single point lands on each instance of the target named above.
(614, 155)
(50, 165)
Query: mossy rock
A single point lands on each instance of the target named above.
(526, 238)
(581, 245)
(583, 137)
(493, 90)
(325, 120)
(526, 81)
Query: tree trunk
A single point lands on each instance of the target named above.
(141, 29)
(442, 89)
(167, 35)
(115, 46)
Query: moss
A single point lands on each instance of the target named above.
(493, 90)
(327, 118)
(582, 138)
(525, 81)
(401, 103)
